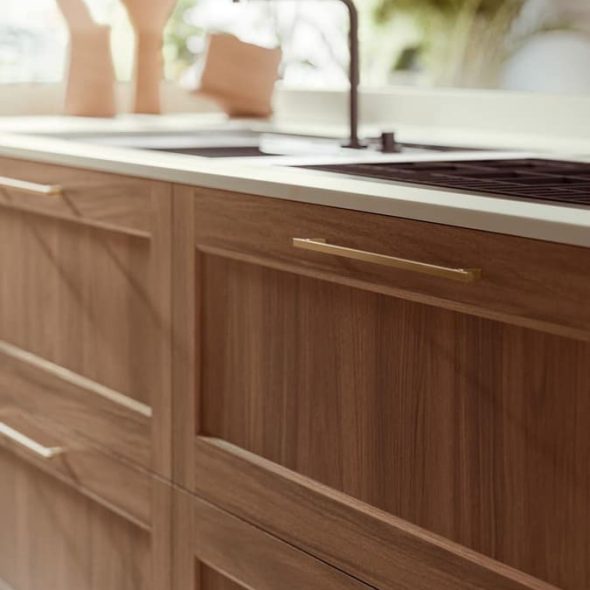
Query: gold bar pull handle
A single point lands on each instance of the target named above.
(463, 275)
(28, 443)
(48, 190)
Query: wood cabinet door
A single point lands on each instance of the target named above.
(84, 307)
(410, 445)
(51, 536)
(215, 550)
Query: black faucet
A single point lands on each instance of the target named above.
(353, 142)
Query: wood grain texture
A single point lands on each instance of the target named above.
(161, 536)
(26, 387)
(209, 579)
(438, 426)
(332, 526)
(78, 297)
(58, 538)
(184, 574)
(532, 283)
(118, 486)
(186, 310)
(256, 560)
(445, 420)
(94, 307)
(160, 366)
(108, 201)
(85, 352)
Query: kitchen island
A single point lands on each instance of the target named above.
(217, 375)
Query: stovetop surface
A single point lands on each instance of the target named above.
(537, 179)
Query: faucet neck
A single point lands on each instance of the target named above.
(354, 141)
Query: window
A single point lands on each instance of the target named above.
(32, 41)
(487, 43)
(33, 37)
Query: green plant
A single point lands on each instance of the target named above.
(426, 9)
(465, 42)
(179, 32)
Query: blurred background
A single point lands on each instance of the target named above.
(530, 45)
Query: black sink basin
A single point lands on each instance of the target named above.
(218, 152)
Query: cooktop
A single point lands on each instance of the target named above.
(530, 178)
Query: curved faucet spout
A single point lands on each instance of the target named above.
(354, 141)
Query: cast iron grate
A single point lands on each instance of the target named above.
(537, 179)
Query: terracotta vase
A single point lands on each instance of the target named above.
(240, 76)
(148, 18)
(90, 90)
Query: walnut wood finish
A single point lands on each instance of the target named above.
(445, 420)
(379, 400)
(532, 283)
(332, 526)
(85, 313)
(120, 487)
(229, 554)
(108, 201)
(209, 579)
(85, 353)
(28, 386)
(78, 297)
(54, 537)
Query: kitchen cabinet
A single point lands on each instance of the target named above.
(211, 391)
(71, 517)
(413, 430)
(217, 551)
(84, 366)
(84, 304)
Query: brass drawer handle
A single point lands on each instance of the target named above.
(28, 443)
(463, 275)
(48, 190)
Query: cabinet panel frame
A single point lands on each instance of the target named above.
(268, 495)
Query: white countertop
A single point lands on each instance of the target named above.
(551, 222)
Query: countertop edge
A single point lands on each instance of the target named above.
(540, 221)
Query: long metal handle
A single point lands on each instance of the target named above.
(48, 190)
(463, 275)
(28, 443)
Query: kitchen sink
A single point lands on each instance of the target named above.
(241, 143)
(216, 143)
(213, 143)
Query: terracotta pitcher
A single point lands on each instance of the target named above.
(148, 18)
(91, 77)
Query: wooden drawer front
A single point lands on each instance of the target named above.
(103, 416)
(84, 314)
(229, 554)
(534, 283)
(53, 535)
(123, 489)
(84, 196)
(442, 419)
(81, 298)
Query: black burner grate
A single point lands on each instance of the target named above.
(537, 179)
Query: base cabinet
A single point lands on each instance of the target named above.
(340, 403)
(54, 537)
(242, 405)
(223, 552)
